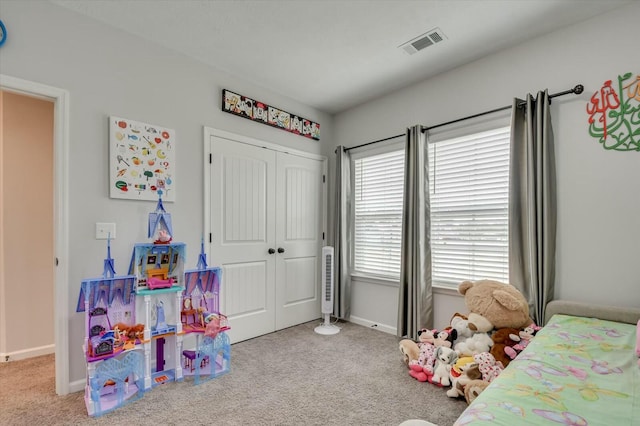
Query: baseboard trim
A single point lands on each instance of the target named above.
(381, 327)
(77, 386)
(27, 353)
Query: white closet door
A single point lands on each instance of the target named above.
(298, 239)
(243, 230)
(266, 223)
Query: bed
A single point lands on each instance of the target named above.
(580, 369)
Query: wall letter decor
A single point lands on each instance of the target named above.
(614, 114)
(267, 114)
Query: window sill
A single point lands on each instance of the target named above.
(390, 282)
(375, 280)
(447, 290)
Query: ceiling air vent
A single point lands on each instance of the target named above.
(421, 42)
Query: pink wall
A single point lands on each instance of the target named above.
(26, 201)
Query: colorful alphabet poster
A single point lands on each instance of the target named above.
(267, 114)
(142, 160)
(614, 114)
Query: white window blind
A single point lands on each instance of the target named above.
(469, 186)
(379, 180)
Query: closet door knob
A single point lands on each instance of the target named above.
(271, 251)
(280, 250)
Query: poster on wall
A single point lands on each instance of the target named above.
(614, 114)
(253, 110)
(141, 160)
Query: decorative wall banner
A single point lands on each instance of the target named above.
(266, 114)
(614, 114)
(142, 160)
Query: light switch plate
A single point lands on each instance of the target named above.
(105, 230)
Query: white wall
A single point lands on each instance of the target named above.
(108, 72)
(598, 194)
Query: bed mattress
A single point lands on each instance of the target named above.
(576, 371)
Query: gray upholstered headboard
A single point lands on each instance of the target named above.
(580, 309)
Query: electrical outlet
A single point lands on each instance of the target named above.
(105, 230)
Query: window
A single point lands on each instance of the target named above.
(469, 189)
(378, 214)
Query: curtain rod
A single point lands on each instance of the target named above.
(579, 88)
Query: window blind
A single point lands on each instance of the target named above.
(378, 188)
(469, 187)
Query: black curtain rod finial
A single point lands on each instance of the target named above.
(578, 89)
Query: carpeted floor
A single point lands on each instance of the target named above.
(291, 377)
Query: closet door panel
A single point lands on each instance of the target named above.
(298, 234)
(242, 222)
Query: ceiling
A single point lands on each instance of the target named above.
(330, 54)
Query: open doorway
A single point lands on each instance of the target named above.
(26, 223)
(58, 221)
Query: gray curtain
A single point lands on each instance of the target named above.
(532, 203)
(415, 309)
(342, 236)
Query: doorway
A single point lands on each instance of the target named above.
(26, 222)
(59, 98)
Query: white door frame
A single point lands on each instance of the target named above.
(209, 132)
(60, 97)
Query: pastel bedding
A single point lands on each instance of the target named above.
(576, 371)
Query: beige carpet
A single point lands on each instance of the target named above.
(291, 377)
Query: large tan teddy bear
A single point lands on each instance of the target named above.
(493, 304)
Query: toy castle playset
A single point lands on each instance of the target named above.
(135, 324)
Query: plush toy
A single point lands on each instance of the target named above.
(493, 304)
(422, 368)
(523, 337)
(410, 350)
(445, 338)
(460, 324)
(445, 358)
(527, 333)
(427, 336)
(473, 389)
(479, 342)
(489, 367)
(502, 341)
(463, 371)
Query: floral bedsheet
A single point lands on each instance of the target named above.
(576, 371)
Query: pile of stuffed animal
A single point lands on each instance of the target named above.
(475, 348)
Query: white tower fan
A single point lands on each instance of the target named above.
(327, 293)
